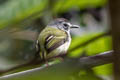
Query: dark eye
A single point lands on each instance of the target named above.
(65, 26)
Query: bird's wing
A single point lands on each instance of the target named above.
(53, 38)
(54, 43)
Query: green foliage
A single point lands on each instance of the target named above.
(104, 70)
(100, 45)
(14, 11)
(59, 7)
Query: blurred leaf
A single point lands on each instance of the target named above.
(63, 5)
(104, 70)
(101, 45)
(14, 11)
(97, 46)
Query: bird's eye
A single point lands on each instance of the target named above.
(65, 26)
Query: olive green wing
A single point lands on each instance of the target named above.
(52, 38)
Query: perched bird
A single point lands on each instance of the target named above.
(55, 38)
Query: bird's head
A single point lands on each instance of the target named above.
(62, 24)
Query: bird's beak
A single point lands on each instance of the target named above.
(75, 26)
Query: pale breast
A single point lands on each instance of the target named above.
(64, 47)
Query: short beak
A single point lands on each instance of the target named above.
(75, 26)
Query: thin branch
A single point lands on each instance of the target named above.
(35, 61)
(89, 41)
(99, 59)
(69, 66)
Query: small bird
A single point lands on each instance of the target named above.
(55, 38)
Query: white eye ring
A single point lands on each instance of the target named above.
(65, 24)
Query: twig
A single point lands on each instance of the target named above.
(35, 61)
(67, 67)
(32, 62)
(99, 59)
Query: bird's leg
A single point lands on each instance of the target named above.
(60, 57)
(46, 62)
